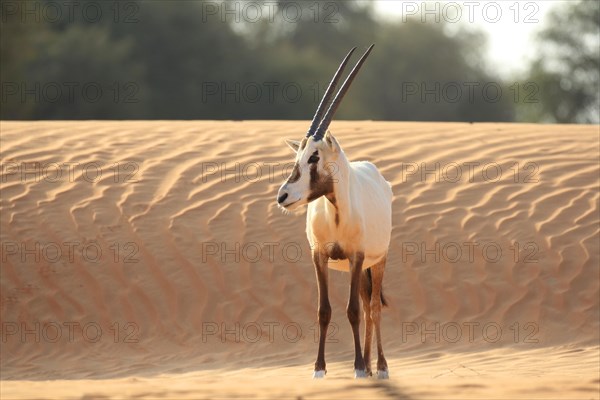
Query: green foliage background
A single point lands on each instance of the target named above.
(178, 60)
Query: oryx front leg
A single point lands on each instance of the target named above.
(324, 313)
(353, 311)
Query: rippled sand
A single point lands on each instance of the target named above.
(150, 259)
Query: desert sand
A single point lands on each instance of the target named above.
(149, 259)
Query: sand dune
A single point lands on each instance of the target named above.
(150, 259)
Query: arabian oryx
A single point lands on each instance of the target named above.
(348, 223)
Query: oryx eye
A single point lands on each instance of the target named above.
(314, 158)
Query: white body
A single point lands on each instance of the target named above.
(364, 207)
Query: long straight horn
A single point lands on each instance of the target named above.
(340, 96)
(327, 96)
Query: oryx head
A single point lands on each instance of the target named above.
(312, 175)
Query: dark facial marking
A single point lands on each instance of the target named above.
(319, 185)
(337, 218)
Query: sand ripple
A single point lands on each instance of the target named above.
(496, 226)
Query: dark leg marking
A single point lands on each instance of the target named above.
(324, 313)
(365, 294)
(353, 312)
(376, 302)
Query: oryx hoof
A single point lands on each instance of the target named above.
(319, 374)
(383, 374)
(360, 373)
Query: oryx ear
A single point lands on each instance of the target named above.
(294, 144)
(331, 142)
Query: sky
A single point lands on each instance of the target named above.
(510, 25)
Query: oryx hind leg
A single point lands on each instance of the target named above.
(365, 294)
(377, 301)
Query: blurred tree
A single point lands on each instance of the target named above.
(82, 72)
(55, 65)
(410, 60)
(217, 60)
(16, 51)
(421, 73)
(187, 57)
(302, 47)
(567, 69)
